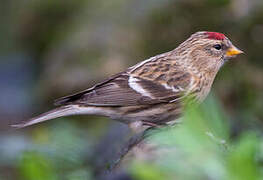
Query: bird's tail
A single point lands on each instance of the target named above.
(55, 113)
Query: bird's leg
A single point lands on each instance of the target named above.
(140, 126)
(137, 126)
(154, 125)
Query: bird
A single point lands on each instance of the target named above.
(152, 92)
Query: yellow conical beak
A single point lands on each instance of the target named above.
(232, 51)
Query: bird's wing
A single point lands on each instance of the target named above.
(124, 90)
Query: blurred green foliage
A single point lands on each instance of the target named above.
(35, 166)
(200, 148)
(59, 154)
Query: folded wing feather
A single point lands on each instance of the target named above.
(121, 91)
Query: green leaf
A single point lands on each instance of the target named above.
(33, 166)
(242, 164)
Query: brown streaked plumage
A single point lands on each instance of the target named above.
(152, 91)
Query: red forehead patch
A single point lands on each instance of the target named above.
(215, 35)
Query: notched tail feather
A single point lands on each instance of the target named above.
(55, 113)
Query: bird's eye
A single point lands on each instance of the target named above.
(217, 46)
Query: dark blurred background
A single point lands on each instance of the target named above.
(51, 48)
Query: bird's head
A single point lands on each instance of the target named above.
(208, 51)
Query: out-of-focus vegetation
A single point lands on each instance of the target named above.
(51, 48)
(201, 148)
